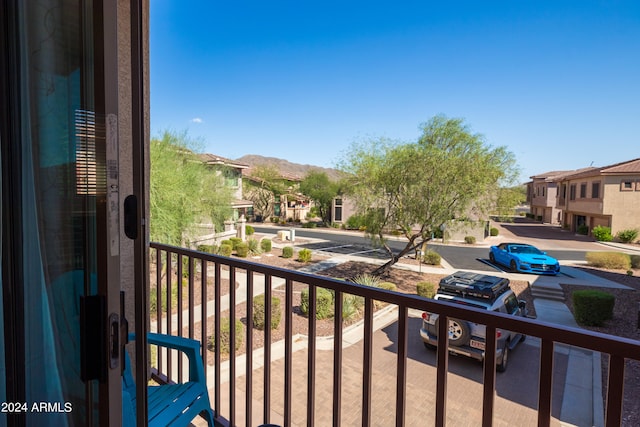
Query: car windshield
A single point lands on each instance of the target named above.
(525, 250)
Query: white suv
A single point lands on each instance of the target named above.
(468, 338)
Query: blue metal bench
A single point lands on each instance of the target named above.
(170, 404)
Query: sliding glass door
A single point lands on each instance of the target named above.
(60, 246)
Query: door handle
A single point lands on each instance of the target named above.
(131, 216)
(114, 340)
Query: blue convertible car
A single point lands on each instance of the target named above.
(524, 258)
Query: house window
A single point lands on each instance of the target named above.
(337, 213)
(543, 188)
(564, 191)
(572, 192)
(626, 185)
(583, 190)
(595, 190)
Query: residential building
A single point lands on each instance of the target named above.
(231, 171)
(606, 196)
(541, 195)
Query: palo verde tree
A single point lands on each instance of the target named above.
(183, 190)
(318, 187)
(507, 198)
(415, 188)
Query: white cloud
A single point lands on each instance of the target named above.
(196, 120)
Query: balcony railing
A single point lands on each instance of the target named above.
(194, 312)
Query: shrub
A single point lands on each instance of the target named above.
(366, 280)
(309, 225)
(629, 272)
(287, 252)
(265, 245)
(493, 231)
(354, 222)
(249, 230)
(242, 250)
(254, 247)
(602, 234)
(635, 261)
(627, 236)
(211, 249)
(388, 286)
(592, 307)
(259, 312)
(351, 306)
(431, 257)
(275, 219)
(225, 336)
(226, 242)
(226, 249)
(426, 289)
(235, 241)
(470, 240)
(583, 229)
(304, 255)
(609, 260)
(324, 303)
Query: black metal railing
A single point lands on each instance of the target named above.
(190, 272)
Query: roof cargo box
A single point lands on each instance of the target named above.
(474, 285)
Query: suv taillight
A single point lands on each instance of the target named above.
(498, 334)
(426, 316)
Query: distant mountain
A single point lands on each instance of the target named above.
(286, 168)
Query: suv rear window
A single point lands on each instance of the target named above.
(511, 304)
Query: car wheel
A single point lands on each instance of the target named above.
(502, 366)
(459, 332)
(492, 258)
(513, 265)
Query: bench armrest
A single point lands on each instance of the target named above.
(190, 347)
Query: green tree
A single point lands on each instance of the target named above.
(507, 198)
(183, 191)
(415, 188)
(262, 188)
(322, 190)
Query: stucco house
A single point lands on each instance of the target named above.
(231, 170)
(582, 199)
(542, 192)
(608, 196)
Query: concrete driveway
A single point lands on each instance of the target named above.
(516, 389)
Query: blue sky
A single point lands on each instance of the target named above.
(557, 82)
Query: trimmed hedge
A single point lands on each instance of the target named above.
(226, 249)
(287, 252)
(592, 307)
(242, 250)
(259, 312)
(225, 336)
(609, 260)
(235, 241)
(426, 289)
(265, 245)
(470, 240)
(431, 257)
(493, 231)
(324, 303)
(304, 255)
(249, 230)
